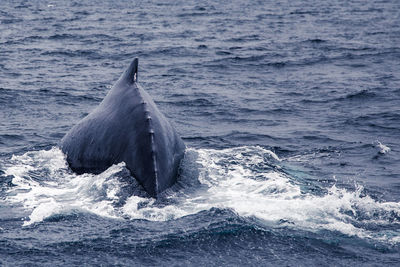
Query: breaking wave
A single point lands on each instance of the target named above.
(249, 180)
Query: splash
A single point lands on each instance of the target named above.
(46, 186)
(383, 149)
(248, 180)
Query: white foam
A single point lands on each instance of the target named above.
(383, 149)
(232, 181)
(240, 179)
(63, 191)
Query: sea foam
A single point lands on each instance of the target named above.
(248, 180)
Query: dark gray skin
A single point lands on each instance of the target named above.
(127, 126)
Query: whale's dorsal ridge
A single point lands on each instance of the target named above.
(131, 74)
(134, 132)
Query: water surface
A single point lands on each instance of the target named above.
(290, 112)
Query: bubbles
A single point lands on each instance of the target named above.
(243, 179)
(383, 149)
(44, 185)
(248, 180)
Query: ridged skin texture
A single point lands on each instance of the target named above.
(127, 126)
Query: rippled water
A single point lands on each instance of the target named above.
(290, 112)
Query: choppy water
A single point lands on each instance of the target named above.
(290, 112)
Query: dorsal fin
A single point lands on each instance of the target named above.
(131, 74)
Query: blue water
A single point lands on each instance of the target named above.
(290, 111)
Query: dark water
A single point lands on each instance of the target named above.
(290, 111)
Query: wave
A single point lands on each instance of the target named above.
(387, 120)
(89, 54)
(248, 180)
(339, 56)
(363, 94)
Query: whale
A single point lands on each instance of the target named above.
(127, 127)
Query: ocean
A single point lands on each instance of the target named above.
(290, 111)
